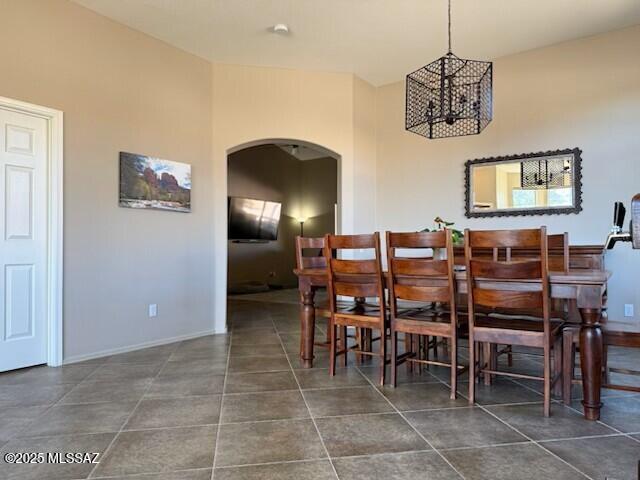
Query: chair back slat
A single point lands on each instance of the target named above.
(557, 240)
(422, 294)
(417, 240)
(528, 238)
(352, 241)
(516, 270)
(558, 252)
(313, 262)
(558, 246)
(507, 298)
(310, 243)
(419, 267)
(365, 267)
(354, 278)
(421, 279)
(353, 289)
(557, 264)
(527, 279)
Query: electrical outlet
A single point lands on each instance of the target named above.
(628, 309)
(153, 310)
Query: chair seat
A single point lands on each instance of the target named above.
(527, 313)
(429, 321)
(425, 314)
(363, 315)
(362, 309)
(344, 307)
(517, 323)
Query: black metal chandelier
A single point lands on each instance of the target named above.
(544, 174)
(450, 97)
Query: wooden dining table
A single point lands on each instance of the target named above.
(586, 286)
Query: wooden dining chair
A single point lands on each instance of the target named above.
(511, 285)
(558, 261)
(427, 281)
(615, 334)
(619, 334)
(310, 255)
(358, 279)
(304, 261)
(558, 245)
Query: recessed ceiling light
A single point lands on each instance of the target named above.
(281, 28)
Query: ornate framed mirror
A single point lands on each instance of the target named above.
(542, 183)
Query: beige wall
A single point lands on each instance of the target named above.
(318, 195)
(122, 90)
(364, 150)
(484, 185)
(119, 90)
(251, 104)
(305, 188)
(584, 93)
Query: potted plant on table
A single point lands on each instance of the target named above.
(440, 224)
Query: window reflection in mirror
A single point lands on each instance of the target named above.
(519, 185)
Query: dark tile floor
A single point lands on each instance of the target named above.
(240, 407)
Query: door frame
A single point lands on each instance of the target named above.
(55, 161)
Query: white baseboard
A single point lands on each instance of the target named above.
(139, 346)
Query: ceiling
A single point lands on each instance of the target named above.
(302, 152)
(378, 40)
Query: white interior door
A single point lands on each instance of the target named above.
(23, 239)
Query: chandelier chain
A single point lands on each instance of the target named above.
(449, 26)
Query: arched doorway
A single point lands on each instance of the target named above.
(291, 182)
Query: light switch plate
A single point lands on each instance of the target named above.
(628, 310)
(153, 310)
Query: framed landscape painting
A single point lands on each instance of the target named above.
(149, 182)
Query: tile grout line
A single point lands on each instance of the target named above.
(411, 425)
(270, 420)
(141, 475)
(525, 436)
(581, 413)
(633, 438)
(309, 460)
(628, 435)
(535, 442)
(48, 407)
(585, 437)
(224, 387)
(483, 408)
(113, 440)
(278, 462)
(87, 380)
(146, 429)
(304, 399)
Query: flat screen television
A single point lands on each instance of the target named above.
(251, 219)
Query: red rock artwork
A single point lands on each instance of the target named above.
(149, 182)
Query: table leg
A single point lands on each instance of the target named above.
(307, 327)
(591, 361)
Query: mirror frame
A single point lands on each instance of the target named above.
(577, 186)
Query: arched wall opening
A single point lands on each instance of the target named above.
(305, 178)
